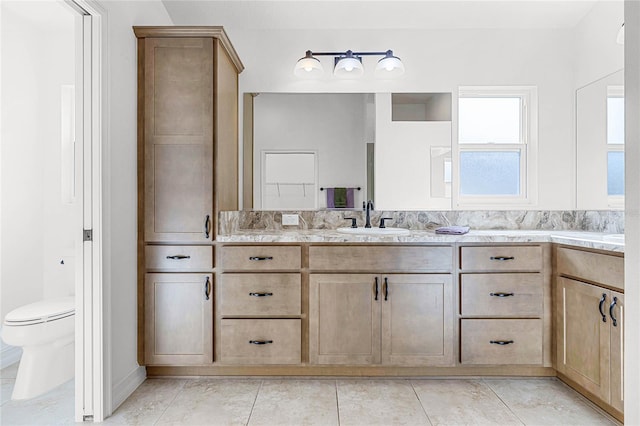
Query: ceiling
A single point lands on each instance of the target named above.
(368, 15)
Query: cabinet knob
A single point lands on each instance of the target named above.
(259, 258)
(260, 294)
(179, 257)
(502, 258)
(501, 294)
(601, 305)
(260, 342)
(207, 288)
(207, 226)
(614, 320)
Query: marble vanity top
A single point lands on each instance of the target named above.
(595, 240)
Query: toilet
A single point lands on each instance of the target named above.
(45, 331)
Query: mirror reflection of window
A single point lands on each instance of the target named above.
(615, 144)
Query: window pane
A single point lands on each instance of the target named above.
(615, 120)
(489, 120)
(615, 173)
(489, 173)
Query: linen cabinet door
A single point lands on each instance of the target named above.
(417, 320)
(178, 319)
(616, 312)
(344, 318)
(178, 139)
(583, 329)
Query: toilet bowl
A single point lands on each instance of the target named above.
(45, 331)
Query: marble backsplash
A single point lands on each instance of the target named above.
(566, 220)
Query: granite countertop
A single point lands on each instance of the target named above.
(595, 240)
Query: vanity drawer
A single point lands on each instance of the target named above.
(250, 341)
(513, 295)
(259, 294)
(179, 258)
(377, 258)
(501, 258)
(260, 258)
(521, 338)
(593, 267)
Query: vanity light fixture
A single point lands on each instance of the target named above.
(348, 64)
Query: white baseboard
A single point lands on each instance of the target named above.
(125, 387)
(9, 355)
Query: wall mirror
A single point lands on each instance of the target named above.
(307, 151)
(600, 144)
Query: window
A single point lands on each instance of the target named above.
(615, 145)
(497, 146)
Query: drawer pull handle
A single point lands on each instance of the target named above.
(260, 342)
(614, 320)
(601, 305)
(260, 294)
(376, 289)
(502, 258)
(501, 342)
(500, 294)
(207, 289)
(386, 289)
(207, 226)
(258, 258)
(178, 257)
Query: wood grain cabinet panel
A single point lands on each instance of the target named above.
(179, 258)
(417, 319)
(344, 319)
(583, 339)
(261, 258)
(594, 267)
(616, 308)
(501, 341)
(380, 258)
(178, 319)
(178, 139)
(260, 341)
(259, 294)
(506, 295)
(501, 258)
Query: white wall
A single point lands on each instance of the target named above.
(331, 124)
(37, 228)
(597, 54)
(120, 179)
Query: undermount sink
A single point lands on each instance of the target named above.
(374, 231)
(614, 238)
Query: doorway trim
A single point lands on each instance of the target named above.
(92, 373)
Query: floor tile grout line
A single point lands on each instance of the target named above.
(169, 404)
(335, 383)
(420, 402)
(254, 402)
(503, 401)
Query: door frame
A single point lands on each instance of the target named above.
(92, 373)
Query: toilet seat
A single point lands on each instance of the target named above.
(41, 312)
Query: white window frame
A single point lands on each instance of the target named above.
(613, 201)
(528, 149)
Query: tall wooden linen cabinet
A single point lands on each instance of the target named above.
(187, 173)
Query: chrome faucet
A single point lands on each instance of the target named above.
(368, 207)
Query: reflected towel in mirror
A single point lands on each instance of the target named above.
(340, 198)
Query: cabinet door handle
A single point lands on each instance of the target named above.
(178, 257)
(260, 294)
(601, 305)
(614, 320)
(500, 294)
(376, 289)
(207, 226)
(258, 258)
(501, 342)
(260, 342)
(386, 289)
(502, 258)
(207, 288)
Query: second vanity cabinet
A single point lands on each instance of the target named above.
(382, 316)
(590, 323)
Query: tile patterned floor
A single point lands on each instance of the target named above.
(307, 402)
